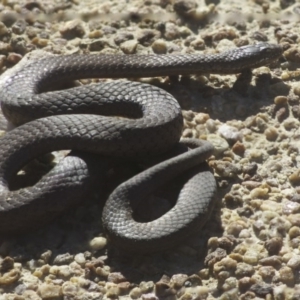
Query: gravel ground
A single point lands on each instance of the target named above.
(250, 248)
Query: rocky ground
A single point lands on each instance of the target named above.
(250, 247)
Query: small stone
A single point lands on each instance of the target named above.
(69, 289)
(266, 272)
(101, 272)
(193, 280)
(19, 27)
(198, 44)
(184, 7)
(96, 34)
(40, 42)
(280, 100)
(116, 277)
(271, 133)
(159, 46)
(290, 124)
(163, 289)
(294, 232)
(113, 292)
(226, 264)
(211, 126)
(123, 37)
(294, 219)
(215, 256)
(295, 178)
(204, 274)
(195, 293)
(290, 207)
(259, 193)
(135, 293)
(10, 277)
(294, 262)
(287, 275)
(225, 169)
(13, 58)
(6, 264)
(80, 259)
(129, 47)
(46, 256)
(147, 287)
(244, 284)
(147, 36)
(97, 45)
(244, 270)
(49, 291)
(235, 229)
(239, 148)
(297, 89)
(273, 245)
(178, 280)
(282, 113)
(72, 29)
(3, 29)
(98, 243)
(273, 260)
(149, 296)
(201, 118)
(231, 134)
(63, 259)
(261, 289)
(124, 287)
(171, 31)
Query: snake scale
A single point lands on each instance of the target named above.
(118, 119)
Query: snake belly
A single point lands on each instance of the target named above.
(121, 119)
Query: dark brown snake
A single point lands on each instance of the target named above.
(87, 119)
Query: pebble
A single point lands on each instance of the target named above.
(244, 270)
(271, 133)
(49, 291)
(172, 32)
(280, 100)
(123, 37)
(63, 259)
(159, 46)
(184, 7)
(129, 47)
(259, 193)
(231, 134)
(273, 245)
(98, 243)
(6, 264)
(135, 293)
(198, 44)
(197, 293)
(294, 262)
(178, 280)
(244, 284)
(150, 296)
(214, 257)
(226, 169)
(287, 275)
(261, 289)
(3, 29)
(72, 29)
(69, 289)
(294, 178)
(147, 286)
(147, 36)
(10, 277)
(266, 272)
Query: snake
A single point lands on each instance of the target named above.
(110, 120)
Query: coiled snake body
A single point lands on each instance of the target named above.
(85, 120)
